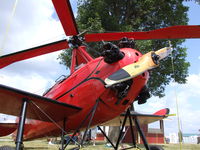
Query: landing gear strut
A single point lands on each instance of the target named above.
(131, 118)
(22, 118)
(89, 116)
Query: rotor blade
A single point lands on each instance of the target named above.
(146, 62)
(173, 32)
(65, 14)
(32, 52)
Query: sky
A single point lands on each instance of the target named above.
(35, 23)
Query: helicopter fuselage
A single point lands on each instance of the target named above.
(83, 88)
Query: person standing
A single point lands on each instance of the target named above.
(93, 135)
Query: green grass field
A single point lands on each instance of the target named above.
(43, 144)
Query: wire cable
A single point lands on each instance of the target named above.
(176, 98)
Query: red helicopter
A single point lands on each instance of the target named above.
(97, 90)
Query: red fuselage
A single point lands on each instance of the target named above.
(82, 88)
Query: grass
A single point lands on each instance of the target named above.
(42, 144)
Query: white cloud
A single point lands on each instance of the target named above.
(32, 25)
(32, 83)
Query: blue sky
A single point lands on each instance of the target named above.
(193, 44)
(34, 25)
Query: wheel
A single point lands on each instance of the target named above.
(6, 148)
(155, 147)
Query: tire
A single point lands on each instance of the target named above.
(6, 148)
(155, 147)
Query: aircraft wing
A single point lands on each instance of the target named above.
(143, 118)
(39, 107)
(7, 128)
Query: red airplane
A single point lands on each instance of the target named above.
(97, 90)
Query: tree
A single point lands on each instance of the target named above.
(136, 15)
